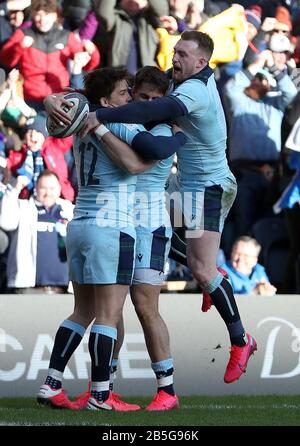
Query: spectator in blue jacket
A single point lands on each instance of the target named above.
(247, 276)
(256, 100)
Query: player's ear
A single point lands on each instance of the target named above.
(104, 102)
(199, 63)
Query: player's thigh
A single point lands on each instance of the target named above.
(202, 251)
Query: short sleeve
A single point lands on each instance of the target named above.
(193, 94)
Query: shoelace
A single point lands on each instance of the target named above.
(158, 398)
(116, 398)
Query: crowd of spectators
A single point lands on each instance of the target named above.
(47, 45)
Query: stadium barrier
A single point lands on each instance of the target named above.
(199, 341)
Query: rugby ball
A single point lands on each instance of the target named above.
(78, 113)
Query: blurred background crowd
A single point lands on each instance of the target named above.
(46, 46)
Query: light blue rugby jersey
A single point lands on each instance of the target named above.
(104, 190)
(203, 157)
(150, 201)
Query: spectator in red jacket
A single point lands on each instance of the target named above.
(40, 152)
(43, 52)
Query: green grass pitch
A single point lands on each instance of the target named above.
(195, 411)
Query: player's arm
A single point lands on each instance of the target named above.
(162, 109)
(122, 154)
(148, 148)
(158, 147)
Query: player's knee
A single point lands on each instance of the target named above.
(200, 272)
(108, 315)
(145, 312)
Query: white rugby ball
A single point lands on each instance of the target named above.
(78, 113)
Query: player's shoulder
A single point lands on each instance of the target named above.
(191, 82)
(192, 87)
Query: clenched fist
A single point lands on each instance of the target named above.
(27, 42)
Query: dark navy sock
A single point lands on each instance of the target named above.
(101, 345)
(67, 339)
(221, 293)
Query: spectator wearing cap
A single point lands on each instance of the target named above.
(283, 22)
(255, 133)
(43, 52)
(253, 17)
(260, 39)
(36, 257)
(274, 34)
(38, 152)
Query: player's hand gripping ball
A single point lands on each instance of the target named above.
(78, 113)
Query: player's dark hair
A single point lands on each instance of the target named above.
(102, 82)
(203, 40)
(153, 76)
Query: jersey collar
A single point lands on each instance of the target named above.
(202, 76)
